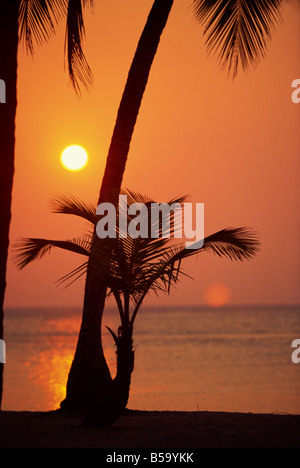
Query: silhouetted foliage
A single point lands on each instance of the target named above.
(130, 267)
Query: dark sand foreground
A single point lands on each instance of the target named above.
(149, 429)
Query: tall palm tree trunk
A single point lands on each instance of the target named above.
(132, 97)
(8, 73)
(83, 367)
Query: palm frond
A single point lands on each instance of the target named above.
(238, 29)
(72, 205)
(233, 243)
(150, 247)
(79, 70)
(73, 276)
(37, 19)
(129, 255)
(28, 250)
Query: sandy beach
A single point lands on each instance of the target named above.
(149, 429)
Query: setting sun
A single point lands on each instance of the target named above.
(74, 158)
(217, 295)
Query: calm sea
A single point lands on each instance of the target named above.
(229, 359)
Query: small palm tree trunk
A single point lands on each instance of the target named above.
(107, 408)
(8, 73)
(125, 366)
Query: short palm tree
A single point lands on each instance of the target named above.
(29, 22)
(130, 268)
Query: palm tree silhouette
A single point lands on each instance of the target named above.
(29, 22)
(130, 267)
(238, 31)
(237, 28)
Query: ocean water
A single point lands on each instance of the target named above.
(186, 358)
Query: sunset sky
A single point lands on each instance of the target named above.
(233, 146)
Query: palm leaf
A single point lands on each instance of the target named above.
(128, 255)
(37, 20)
(235, 244)
(238, 29)
(74, 275)
(28, 250)
(130, 258)
(74, 206)
(79, 70)
(153, 245)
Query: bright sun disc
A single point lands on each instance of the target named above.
(217, 295)
(74, 158)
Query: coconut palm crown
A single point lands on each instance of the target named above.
(131, 267)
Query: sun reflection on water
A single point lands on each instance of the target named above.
(208, 359)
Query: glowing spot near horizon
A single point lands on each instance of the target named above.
(74, 158)
(217, 295)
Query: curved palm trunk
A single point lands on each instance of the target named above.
(8, 73)
(132, 97)
(84, 367)
(89, 373)
(105, 409)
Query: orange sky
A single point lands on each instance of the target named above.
(233, 146)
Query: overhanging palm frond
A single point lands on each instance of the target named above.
(37, 20)
(28, 250)
(79, 69)
(238, 29)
